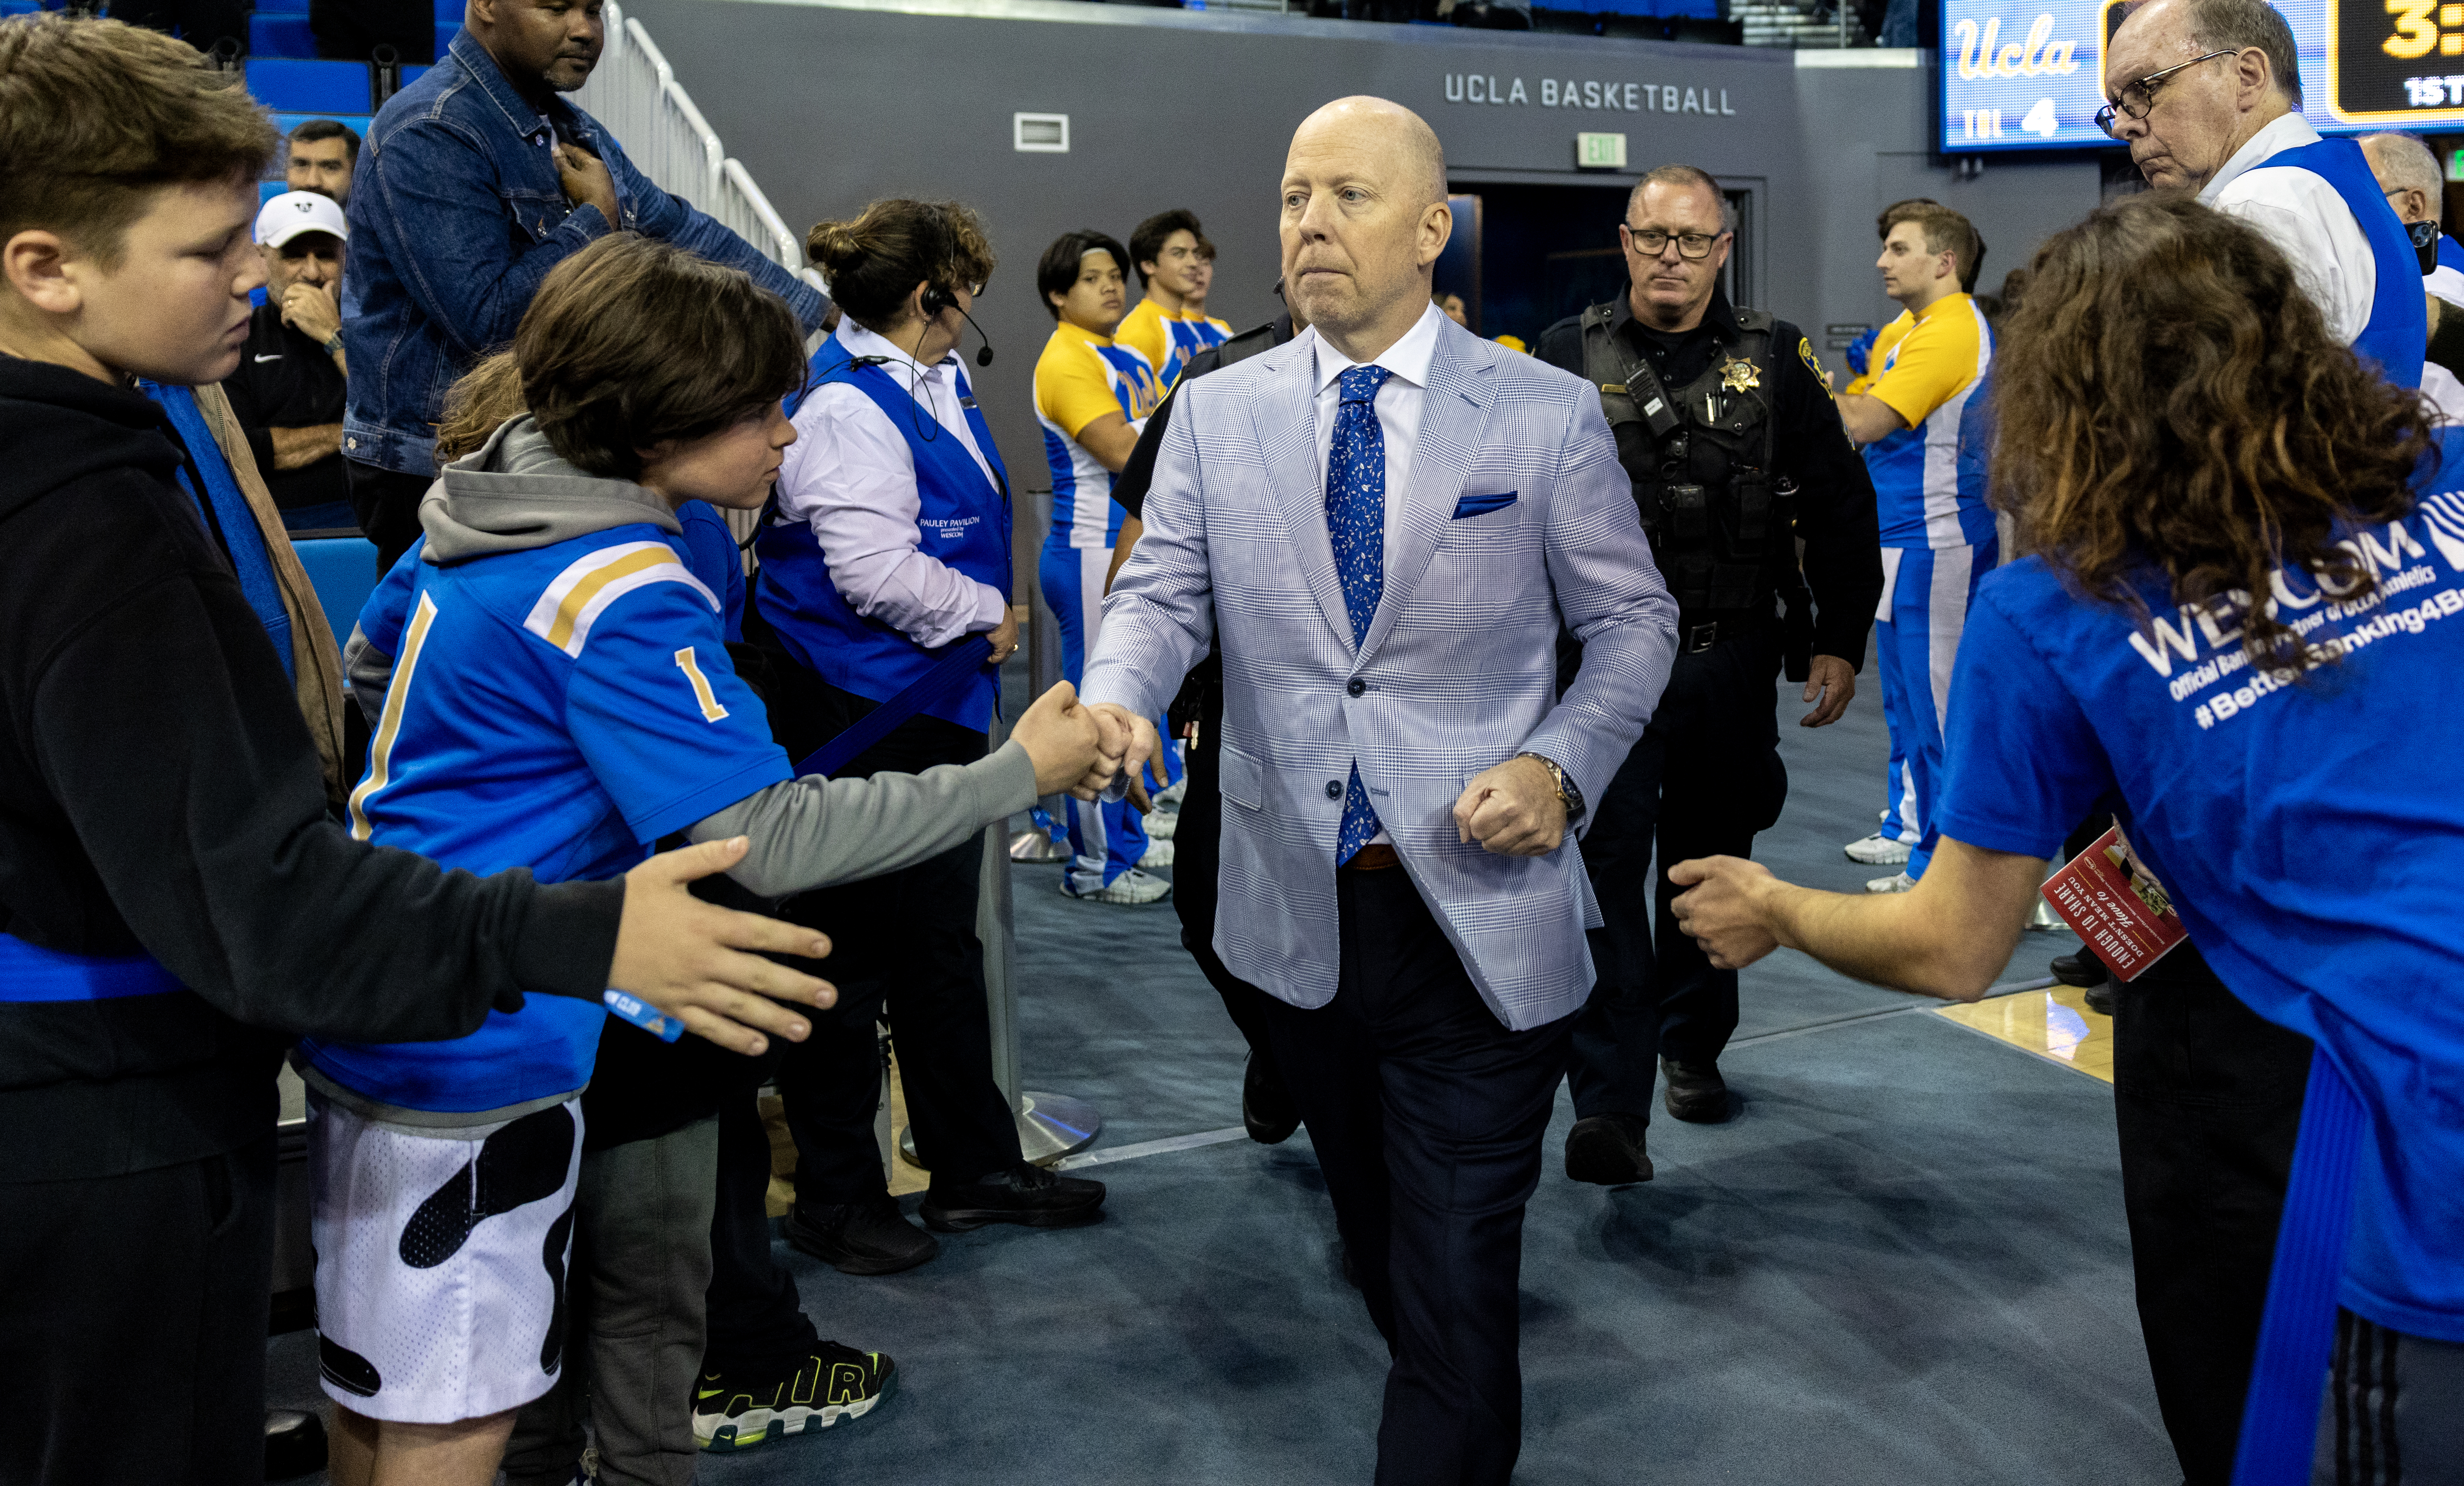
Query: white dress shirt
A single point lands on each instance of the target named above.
(1399, 417)
(1398, 402)
(2302, 214)
(851, 477)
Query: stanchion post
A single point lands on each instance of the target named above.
(1050, 1125)
(1043, 674)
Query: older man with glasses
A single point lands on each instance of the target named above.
(2208, 95)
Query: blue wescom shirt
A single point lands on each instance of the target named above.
(456, 215)
(2311, 832)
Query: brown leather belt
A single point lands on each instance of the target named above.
(1375, 856)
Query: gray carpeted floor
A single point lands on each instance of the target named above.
(1903, 1263)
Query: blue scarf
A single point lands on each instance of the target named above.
(225, 511)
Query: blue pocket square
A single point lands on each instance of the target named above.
(1483, 505)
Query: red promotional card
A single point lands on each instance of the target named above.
(2115, 904)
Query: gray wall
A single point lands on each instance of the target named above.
(830, 105)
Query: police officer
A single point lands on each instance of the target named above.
(1726, 426)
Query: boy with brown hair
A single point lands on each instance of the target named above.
(557, 693)
(175, 903)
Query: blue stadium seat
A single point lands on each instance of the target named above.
(445, 31)
(294, 86)
(297, 7)
(280, 35)
(345, 570)
(9, 8)
(412, 73)
(449, 12)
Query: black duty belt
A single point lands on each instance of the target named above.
(1698, 630)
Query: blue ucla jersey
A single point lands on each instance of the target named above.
(558, 709)
(713, 556)
(2310, 832)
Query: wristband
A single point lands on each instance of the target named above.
(632, 1009)
(333, 345)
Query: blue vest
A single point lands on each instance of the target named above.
(964, 521)
(2398, 331)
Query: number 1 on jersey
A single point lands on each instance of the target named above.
(711, 709)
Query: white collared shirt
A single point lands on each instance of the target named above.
(2302, 214)
(1398, 402)
(851, 477)
(1399, 399)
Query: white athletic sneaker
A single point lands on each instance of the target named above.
(1131, 886)
(1158, 853)
(1168, 799)
(1161, 823)
(1875, 850)
(1901, 883)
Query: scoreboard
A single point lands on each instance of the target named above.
(2028, 74)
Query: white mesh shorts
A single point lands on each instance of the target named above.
(441, 1261)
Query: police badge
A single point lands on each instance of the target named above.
(1739, 376)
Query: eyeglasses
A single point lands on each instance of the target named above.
(2137, 97)
(1651, 241)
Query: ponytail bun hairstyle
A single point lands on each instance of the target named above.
(874, 262)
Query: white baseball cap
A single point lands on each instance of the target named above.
(286, 216)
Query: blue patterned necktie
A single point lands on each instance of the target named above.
(1356, 523)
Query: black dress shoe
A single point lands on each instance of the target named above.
(295, 1444)
(1695, 1094)
(2082, 968)
(860, 1238)
(2099, 998)
(1608, 1149)
(1025, 1195)
(1266, 1106)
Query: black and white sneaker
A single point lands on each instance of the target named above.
(834, 1383)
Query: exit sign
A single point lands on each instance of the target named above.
(1599, 152)
(2455, 165)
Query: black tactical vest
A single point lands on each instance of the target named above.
(1700, 457)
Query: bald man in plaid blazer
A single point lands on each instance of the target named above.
(1386, 557)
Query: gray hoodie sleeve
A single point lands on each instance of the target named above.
(814, 832)
(370, 671)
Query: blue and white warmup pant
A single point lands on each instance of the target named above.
(1926, 594)
(1107, 840)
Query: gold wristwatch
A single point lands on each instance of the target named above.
(1569, 793)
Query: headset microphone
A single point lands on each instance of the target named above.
(983, 352)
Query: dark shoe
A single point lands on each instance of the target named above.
(860, 1238)
(1027, 1195)
(1266, 1107)
(2099, 998)
(1696, 1092)
(835, 1383)
(295, 1444)
(2082, 968)
(1608, 1149)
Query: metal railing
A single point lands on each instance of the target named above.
(635, 93)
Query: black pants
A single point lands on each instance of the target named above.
(386, 504)
(757, 1329)
(1426, 1114)
(1198, 848)
(1704, 776)
(903, 943)
(147, 1290)
(2207, 1098)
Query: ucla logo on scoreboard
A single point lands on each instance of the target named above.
(2039, 55)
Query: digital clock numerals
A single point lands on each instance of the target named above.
(2423, 27)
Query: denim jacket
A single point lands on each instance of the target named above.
(456, 215)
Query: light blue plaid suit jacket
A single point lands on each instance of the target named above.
(1458, 665)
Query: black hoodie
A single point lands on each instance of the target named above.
(158, 793)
